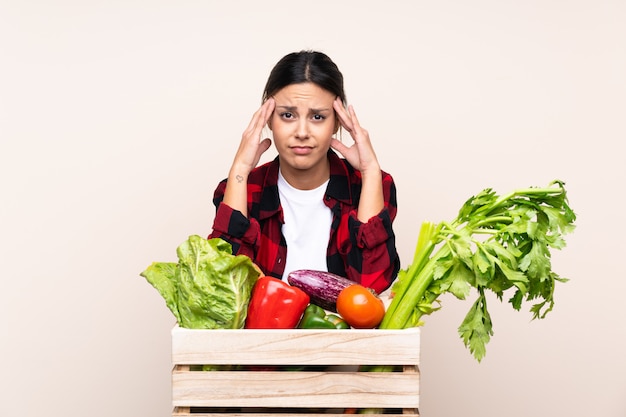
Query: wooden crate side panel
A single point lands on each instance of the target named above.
(296, 347)
(301, 389)
(187, 412)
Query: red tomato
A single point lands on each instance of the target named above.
(360, 307)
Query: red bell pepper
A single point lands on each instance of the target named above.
(274, 304)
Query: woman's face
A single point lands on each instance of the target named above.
(303, 124)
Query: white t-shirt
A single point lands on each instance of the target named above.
(307, 226)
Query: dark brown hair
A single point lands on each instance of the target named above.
(305, 66)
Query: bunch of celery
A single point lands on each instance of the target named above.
(496, 243)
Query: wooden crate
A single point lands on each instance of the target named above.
(294, 372)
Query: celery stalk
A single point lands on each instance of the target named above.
(425, 244)
(496, 243)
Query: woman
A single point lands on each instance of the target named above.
(309, 208)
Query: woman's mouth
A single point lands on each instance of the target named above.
(301, 150)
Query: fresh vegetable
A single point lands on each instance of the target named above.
(496, 243)
(323, 287)
(275, 305)
(315, 317)
(209, 287)
(337, 320)
(360, 307)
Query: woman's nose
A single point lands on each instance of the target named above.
(302, 129)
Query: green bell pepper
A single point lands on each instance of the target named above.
(315, 317)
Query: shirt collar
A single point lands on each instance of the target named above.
(338, 187)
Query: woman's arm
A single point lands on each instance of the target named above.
(361, 156)
(231, 195)
(247, 158)
(371, 256)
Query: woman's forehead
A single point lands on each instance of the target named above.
(308, 94)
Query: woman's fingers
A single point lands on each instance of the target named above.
(353, 118)
(360, 154)
(342, 115)
(268, 110)
(260, 118)
(337, 145)
(252, 126)
(350, 122)
(252, 146)
(265, 144)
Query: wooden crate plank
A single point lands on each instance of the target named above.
(315, 390)
(179, 412)
(304, 389)
(296, 347)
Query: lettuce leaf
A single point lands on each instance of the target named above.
(209, 287)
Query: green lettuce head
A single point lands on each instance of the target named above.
(209, 287)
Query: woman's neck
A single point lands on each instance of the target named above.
(306, 179)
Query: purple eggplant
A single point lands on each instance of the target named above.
(322, 287)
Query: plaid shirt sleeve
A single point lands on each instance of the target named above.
(368, 250)
(257, 236)
(232, 226)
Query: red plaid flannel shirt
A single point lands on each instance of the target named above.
(363, 252)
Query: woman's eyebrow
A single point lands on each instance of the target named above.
(290, 108)
(294, 108)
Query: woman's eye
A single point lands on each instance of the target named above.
(318, 117)
(287, 115)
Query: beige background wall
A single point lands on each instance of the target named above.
(118, 118)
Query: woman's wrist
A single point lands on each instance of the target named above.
(372, 177)
(236, 193)
(238, 176)
(372, 200)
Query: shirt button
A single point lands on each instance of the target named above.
(279, 260)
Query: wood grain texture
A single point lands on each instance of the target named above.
(302, 389)
(296, 347)
(327, 380)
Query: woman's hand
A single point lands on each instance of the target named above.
(362, 157)
(361, 153)
(247, 157)
(251, 147)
